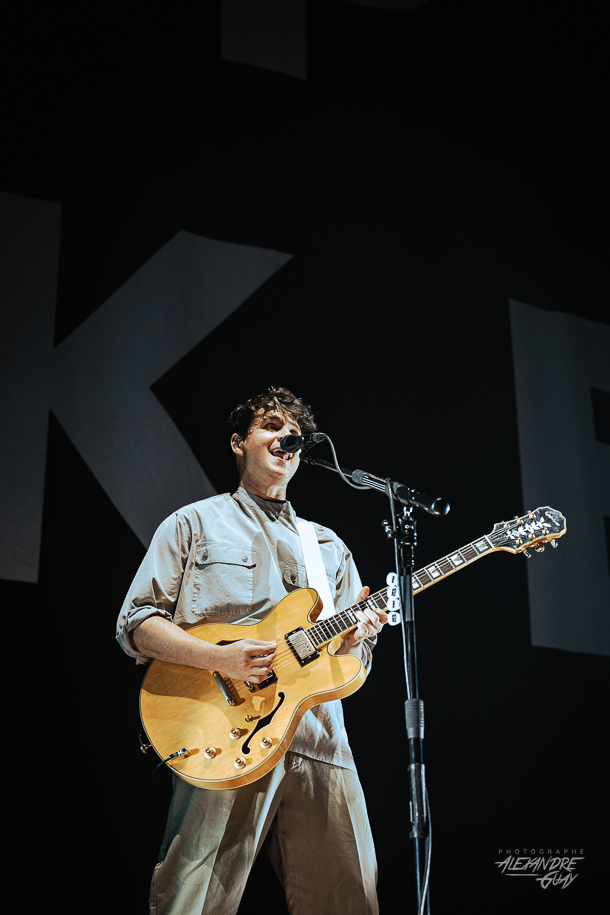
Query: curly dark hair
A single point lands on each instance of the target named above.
(280, 399)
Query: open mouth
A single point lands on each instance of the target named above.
(278, 453)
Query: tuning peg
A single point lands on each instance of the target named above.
(539, 548)
(554, 544)
(525, 553)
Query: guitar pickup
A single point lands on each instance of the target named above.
(302, 647)
(272, 678)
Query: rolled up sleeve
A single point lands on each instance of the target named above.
(156, 586)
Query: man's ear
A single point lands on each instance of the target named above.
(236, 443)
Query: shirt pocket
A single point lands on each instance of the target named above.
(294, 575)
(223, 581)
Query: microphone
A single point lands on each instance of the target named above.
(292, 443)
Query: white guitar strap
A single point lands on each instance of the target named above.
(316, 573)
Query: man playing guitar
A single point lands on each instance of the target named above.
(232, 558)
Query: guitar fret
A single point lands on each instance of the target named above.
(318, 632)
(433, 571)
(375, 603)
(445, 565)
(482, 545)
(317, 635)
(327, 629)
(425, 577)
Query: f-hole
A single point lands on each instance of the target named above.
(262, 724)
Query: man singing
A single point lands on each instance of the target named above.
(232, 558)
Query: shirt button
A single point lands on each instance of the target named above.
(204, 555)
(293, 578)
(244, 558)
(320, 528)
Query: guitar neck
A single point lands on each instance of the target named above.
(451, 563)
(340, 624)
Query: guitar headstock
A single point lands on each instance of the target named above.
(542, 526)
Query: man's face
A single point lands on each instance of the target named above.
(262, 460)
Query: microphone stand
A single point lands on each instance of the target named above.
(403, 531)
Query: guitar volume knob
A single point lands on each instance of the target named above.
(266, 743)
(209, 752)
(240, 762)
(235, 733)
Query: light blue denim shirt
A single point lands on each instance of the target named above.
(232, 558)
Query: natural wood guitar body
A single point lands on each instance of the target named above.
(184, 707)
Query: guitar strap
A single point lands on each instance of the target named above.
(316, 573)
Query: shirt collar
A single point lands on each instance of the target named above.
(270, 507)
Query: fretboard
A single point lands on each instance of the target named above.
(324, 631)
(432, 573)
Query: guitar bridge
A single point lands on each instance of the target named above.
(223, 687)
(302, 647)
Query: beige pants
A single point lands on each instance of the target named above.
(313, 818)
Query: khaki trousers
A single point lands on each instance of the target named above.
(312, 818)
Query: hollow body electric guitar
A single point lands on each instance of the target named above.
(218, 733)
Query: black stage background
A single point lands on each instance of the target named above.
(433, 165)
